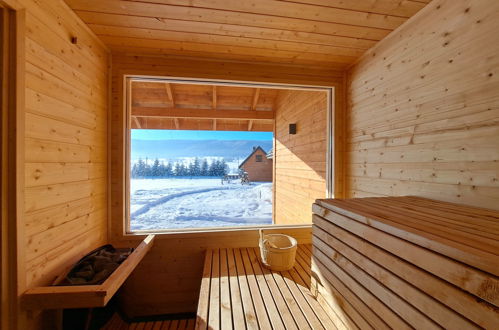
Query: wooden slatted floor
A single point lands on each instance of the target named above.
(117, 323)
(237, 292)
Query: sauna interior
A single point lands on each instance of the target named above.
(390, 185)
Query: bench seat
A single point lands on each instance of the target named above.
(237, 292)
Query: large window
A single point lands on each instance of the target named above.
(199, 179)
(202, 155)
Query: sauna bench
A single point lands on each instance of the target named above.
(238, 292)
(407, 262)
(86, 296)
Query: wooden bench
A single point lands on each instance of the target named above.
(237, 292)
(407, 262)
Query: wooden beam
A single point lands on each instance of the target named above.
(137, 122)
(201, 113)
(175, 120)
(255, 99)
(214, 105)
(169, 91)
(250, 125)
(214, 124)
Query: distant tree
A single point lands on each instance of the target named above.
(155, 169)
(204, 167)
(195, 167)
(168, 169)
(214, 168)
(139, 169)
(224, 168)
(178, 169)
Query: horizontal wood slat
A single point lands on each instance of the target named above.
(315, 33)
(395, 255)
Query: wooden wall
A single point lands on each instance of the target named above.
(170, 66)
(300, 159)
(423, 113)
(65, 141)
(168, 279)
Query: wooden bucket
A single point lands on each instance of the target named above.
(278, 251)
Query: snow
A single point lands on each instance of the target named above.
(198, 202)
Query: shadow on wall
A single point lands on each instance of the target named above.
(300, 159)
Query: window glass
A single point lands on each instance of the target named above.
(198, 179)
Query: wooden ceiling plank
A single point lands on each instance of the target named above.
(404, 8)
(216, 16)
(198, 38)
(284, 9)
(350, 40)
(177, 126)
(214, 96)
(255, 99)
(201, 113)
(177, 47)
(206, 41)
(250, 125)
(215, 124)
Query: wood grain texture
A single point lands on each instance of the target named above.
(65, 171)
(169, 283)
(282, 297)
(423, 112)
(307, 33)
(408, 266)
(300, 159)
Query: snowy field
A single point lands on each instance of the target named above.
(198, 202)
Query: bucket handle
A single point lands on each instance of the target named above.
(260, 231)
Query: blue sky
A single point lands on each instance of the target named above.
(152, 134)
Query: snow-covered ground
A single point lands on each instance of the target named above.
(198, 202)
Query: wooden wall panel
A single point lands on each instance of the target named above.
(167, 281)
(65, 142)
(423, 113)
(300, 159)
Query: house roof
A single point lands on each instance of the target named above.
(251, 154)
(270, 154)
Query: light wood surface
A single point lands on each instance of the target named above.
(163, 105)
(12, 104)
(305, 33)
(300, 159)
(423, 110)
(86, 296)
(281, 299)
(373, 249)
(146, 293)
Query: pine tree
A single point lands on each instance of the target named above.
(224, 168)
(196, 167)
(204, 168)
(155, 168)
(178, 169)
(169, 169)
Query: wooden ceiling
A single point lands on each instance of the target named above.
(163, 105)
(332, 33)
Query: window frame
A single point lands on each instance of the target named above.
(330, 151)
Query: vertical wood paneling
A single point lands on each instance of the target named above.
(423, 113)
(300, 159)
